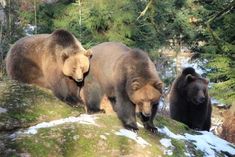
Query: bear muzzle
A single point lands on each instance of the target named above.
(146, 109)
(79, 80)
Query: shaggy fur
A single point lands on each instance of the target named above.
(189, 100)
(45, 60)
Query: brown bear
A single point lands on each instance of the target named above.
(189, 100)
(56, 61)
(128, 78)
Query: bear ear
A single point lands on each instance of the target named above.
(135, 86)
(158, 86)
(88, 53)
(190, 78)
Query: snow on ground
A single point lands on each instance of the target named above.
(170, 134)
(140, 125)
(208, 143)
(132, 135)
(204, 141)
(167, 144)
(83, 119)
(3, 110)
(103, 137)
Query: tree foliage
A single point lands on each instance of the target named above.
(206, 27)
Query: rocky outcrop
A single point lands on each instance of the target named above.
(35, 123)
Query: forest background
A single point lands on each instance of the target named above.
(205, 27)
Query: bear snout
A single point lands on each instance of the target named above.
(146, 114)
(146, 109)
(201, 100)
(79, 80)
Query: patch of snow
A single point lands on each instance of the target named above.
(207, 142)
(107, 133)
(166, 142)
(161, 104)
(170, 134)
(214, 101)
(140, 125)
(103, 137)
(83, 119)
(132, 135)
(3, 110)
(187, 154)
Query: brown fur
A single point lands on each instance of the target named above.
(46, 60)
(189, 100)
(228, 127)
(128, 78)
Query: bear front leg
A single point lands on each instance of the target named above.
(207, 124)
(148, 121)
(72, 97)
(125, 110)
(198, 117)
(66, 90)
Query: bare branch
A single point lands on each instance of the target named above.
(145, 9)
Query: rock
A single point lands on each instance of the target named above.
(24, 105)
(48, 127)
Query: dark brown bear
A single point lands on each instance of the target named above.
(56, 61)
(128, 78)
(189, 100)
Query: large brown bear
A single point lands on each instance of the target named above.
(128, 78)
(189, 100)
(56, 61)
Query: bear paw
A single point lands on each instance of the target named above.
(93, 111)
(150, 128)
(132, 126)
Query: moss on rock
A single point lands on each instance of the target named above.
(23, 106)
(26, 105)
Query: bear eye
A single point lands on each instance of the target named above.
(82, 69)
(74, 69)
(158, 86)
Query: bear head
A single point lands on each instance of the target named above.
(75, 66)
(196, 89)
(69, 53)
(144, 96)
